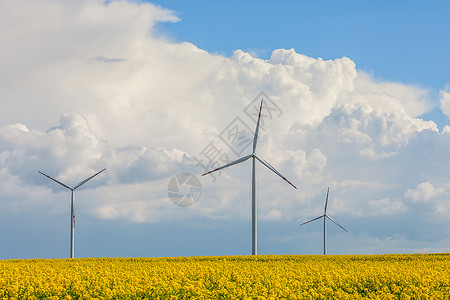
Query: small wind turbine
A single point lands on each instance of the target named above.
(265, 163)
(72, 211)
(325, 216)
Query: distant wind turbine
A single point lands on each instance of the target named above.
(72, 211)
(325, 216)
(265, 163)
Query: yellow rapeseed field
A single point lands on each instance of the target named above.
(415, 276)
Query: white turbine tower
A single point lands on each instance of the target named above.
(265, 163)
(72, 211)
(325, 216)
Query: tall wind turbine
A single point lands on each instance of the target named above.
(265, 163)
(72, 211)
(325, 216)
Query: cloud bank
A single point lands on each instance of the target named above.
(146, 107)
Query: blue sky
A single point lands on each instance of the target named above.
(144, 89)
(402, 41)
(399, 41)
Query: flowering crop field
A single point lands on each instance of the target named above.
(415, 276)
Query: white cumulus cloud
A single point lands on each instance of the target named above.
(423, 193)
(145, 108)
(445, 102)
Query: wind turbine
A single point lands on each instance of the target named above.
(325, 216)
(254, 157)
(72, 211)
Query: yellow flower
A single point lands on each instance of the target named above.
(238, 277)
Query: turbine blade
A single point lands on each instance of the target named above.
(311, 220)
(269, 166)
(86, 180)
(230, 164)
(57, 181)
(335, 222)
(326, 201)
(255, 139)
